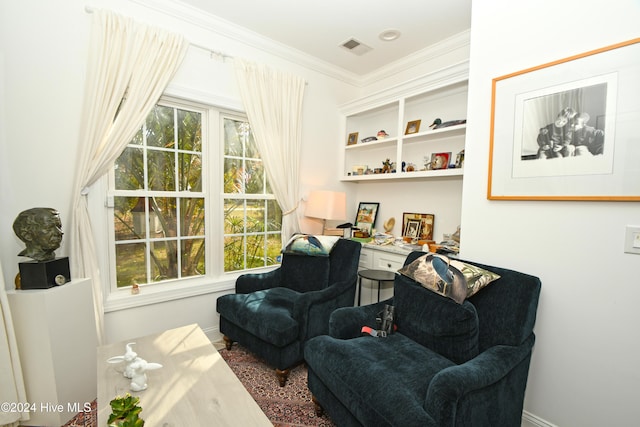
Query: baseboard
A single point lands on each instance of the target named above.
(213, 334)
(530, 420)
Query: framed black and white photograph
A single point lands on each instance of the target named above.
(412, 229)
(565, 130)
(366, 216)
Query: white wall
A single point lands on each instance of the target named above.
(584, 370)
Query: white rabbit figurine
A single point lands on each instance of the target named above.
(129, 356)
(139, 378)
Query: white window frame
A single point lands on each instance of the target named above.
(215, 280)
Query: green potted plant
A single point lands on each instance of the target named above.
(124, 412)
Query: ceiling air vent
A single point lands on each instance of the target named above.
(356, 47)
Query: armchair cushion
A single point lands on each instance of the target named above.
(400, 370)
(435, 321)
(305, 273)
(267, 314)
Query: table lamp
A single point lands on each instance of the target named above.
(326, 205)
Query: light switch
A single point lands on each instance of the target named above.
(632, 240)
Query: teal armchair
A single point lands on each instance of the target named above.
(447, 364)
(273, 314)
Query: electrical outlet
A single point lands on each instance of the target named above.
(632, 240)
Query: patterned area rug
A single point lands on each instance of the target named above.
(288, 406)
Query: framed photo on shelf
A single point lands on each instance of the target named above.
(426, 224)
(440, 160)
(412, 127)
(366, 216)
(412, 228)
(352, 139)
(566, 130)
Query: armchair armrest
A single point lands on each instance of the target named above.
(252, 282)
(313, 309)
(449, 385)
(347, 322)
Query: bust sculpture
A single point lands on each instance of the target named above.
(41, 231)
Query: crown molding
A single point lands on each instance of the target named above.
(457, 41)
(214, 24)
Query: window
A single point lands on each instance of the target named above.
(159, 202)
(252, 217)
(168, 216)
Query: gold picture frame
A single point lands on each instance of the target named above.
(412, 127)
(352, 139)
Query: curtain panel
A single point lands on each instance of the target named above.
(273, 102)
(129, 66)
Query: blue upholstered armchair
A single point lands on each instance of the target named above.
(448, 364)
(273, 314)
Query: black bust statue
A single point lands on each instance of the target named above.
(41, 231)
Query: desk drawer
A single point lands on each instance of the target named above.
(388, 261)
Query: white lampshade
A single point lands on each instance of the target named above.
(327, 205)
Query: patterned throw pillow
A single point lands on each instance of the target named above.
(450, 278)
(307, 244)
(476, 277)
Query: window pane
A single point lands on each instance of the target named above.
(131, 264)
(161, 167)
(129, 218)
(192, 216)
(193, 257)
(189, 130)
(254, 177)
(233, 253)
(233, 216)
(129, 170)
(160, 127)
(190, 172)
(163, 219)
(274, 216)
(232, 143)
(274, 247)
(255, 216)
(234, 181)
(164, 255)
(256, 251)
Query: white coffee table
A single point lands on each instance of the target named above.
(195, 386)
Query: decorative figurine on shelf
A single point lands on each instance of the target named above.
(382, 134)
(410, 167)
(41, 231)
(438, 123)
(387, 166)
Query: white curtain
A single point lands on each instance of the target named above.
(273, 101)
(12, 384)
(130, 64)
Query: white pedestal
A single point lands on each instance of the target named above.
(56, 334)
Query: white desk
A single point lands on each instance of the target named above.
(195, 387)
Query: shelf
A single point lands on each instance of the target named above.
(372, 144)
(435, 133)
(453, 172)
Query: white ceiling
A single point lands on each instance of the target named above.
(319, 28)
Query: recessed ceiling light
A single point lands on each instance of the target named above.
(389, 35)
